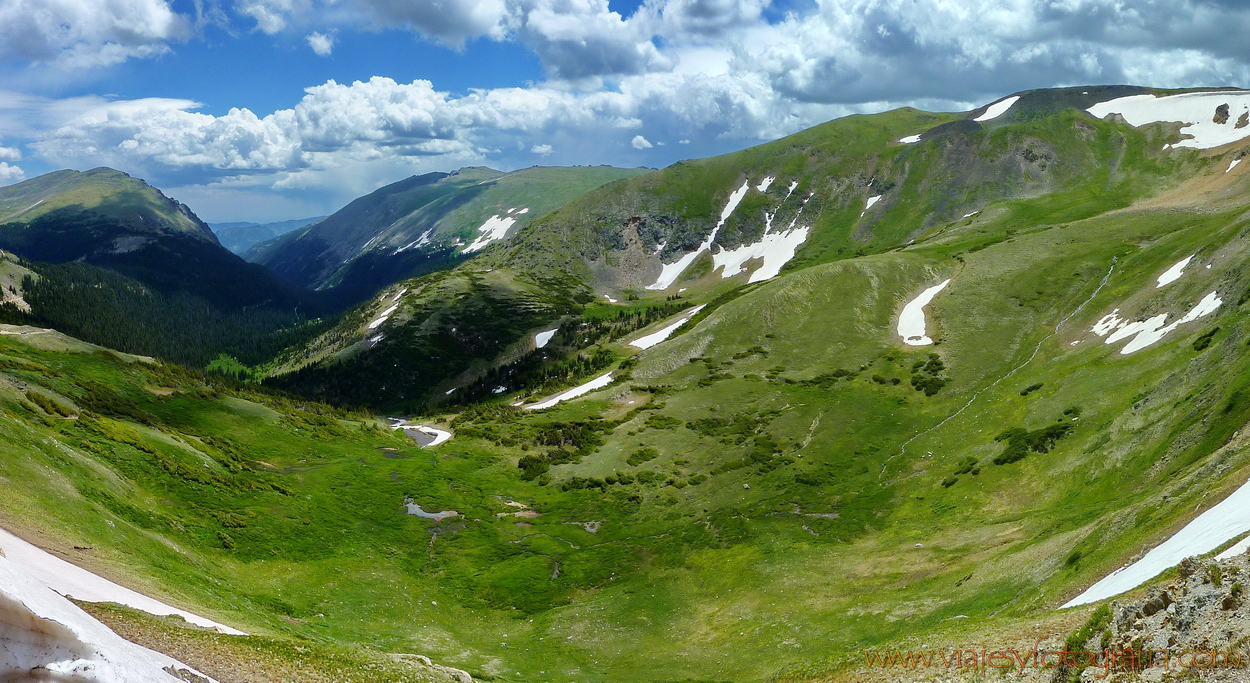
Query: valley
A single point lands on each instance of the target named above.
(898, 381)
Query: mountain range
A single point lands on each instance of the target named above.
(910, 381)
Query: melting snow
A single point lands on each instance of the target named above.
(493, 229)
(522, 212)
(793, 184)
(1195, 110)
(997, 109)
(1151, 330)
(1236, 549)
(541, 339)
(909, 139)
(382, 318)
(776, 249)
(670, 271)
(1233, 165)
(911, 322)
(763, 186)
(610, 299)
(1108, 323)
(401, 293)
(47, 637)
(421, 241)
(70, 579)
(1173, 274)
(439, 435)
(659, 336)
(1228, 519)
(596, 383)
(871, 201)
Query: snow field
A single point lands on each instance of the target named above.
(495, 228)
(660, 335)
(1198, 111)
(70, 579)
(596, 383)
(998, 109)
(1228, 519)
(911, 322)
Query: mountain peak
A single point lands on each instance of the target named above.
(103, 191)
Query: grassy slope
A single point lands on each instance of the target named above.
(345, 246)
(1041, 164)
(104, 191)
(815, 560)
(844, 539)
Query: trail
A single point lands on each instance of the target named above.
(903, 449)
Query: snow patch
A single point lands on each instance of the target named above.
(69, 579)
(669, 272)
(596, 383)
(793, 184)
(541, 339)
(776, 249)
(1228, 519)
(383, 318)
(1197, 111)
(871, 201)
(660, 335)
(763, 186)
(997, 109)
(47, 637)
(522, 212)
(1147, 332)
(911, 324)
(1175, 272)
(495, 228)
(440, 436)
(909, 139)
(401, 293)
(1233, 165)
(421, 241)
(1236, 549)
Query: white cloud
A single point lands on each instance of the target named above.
(541, 149)
(10, 174)
(87, 33)
(640, 142)
(321, 44)
(10, 154)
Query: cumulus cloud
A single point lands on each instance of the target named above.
(87, 33)
(713, 75)
(10, 174)
(321, 44)
(10, 154)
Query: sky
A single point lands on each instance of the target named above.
(264, 110)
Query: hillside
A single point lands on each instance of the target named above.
(1024, 398)
(854, 186)
(126, 201)
(116, 261)
(421, 224)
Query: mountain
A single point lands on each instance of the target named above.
(122, 264)
(421, 224)
(854, 186)
(1026, 398)
(242, 236)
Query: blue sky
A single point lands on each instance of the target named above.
(273, 109)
